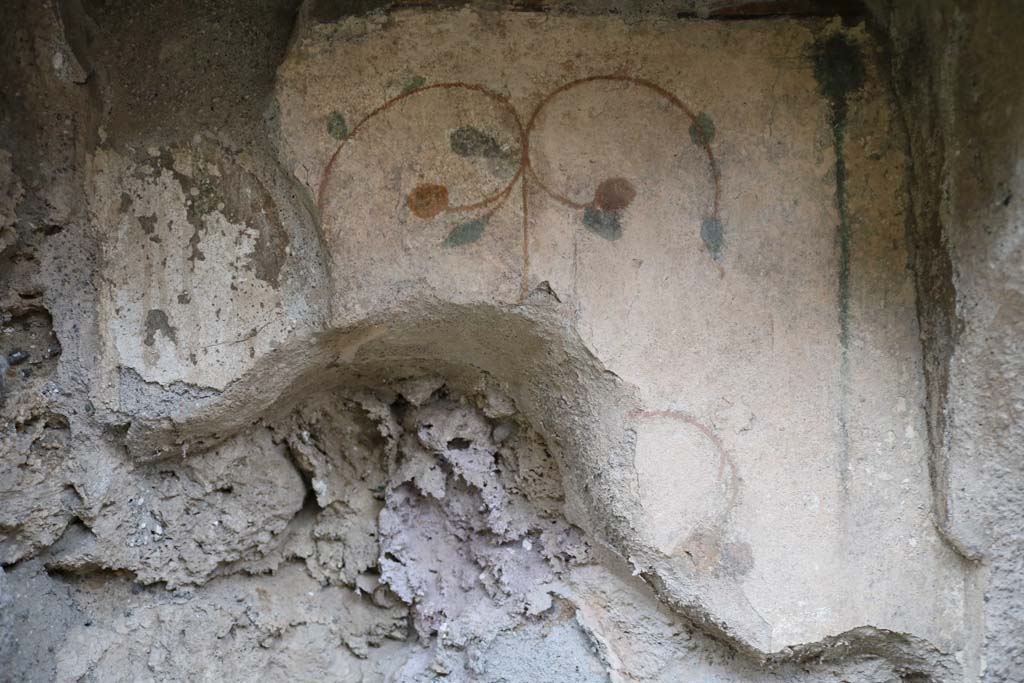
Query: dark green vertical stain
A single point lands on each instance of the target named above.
(714, 237)
(839, 70)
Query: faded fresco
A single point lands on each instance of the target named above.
(482, 346)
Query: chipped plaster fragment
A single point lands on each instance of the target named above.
(195, 304)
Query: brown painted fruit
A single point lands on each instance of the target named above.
(426, 201)
(614, 194)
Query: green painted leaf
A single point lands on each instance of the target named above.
(470, 141)
(413, 83)
(466, 233)
(336, 126)
(702, 130)
(605, 224)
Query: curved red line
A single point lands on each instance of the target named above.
(724, 458)
(675, 101)
(500, 99)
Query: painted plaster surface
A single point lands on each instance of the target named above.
(197, 255)
(769, 447)
(377, 344)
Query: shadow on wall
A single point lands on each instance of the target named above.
(530, 350)
(585, 414)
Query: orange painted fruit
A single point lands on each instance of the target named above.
(426, 201)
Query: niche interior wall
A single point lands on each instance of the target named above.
(600, 341)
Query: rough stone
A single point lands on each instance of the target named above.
(488, 341)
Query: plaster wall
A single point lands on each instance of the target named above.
(481, 344)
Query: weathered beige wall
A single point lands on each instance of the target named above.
(756, 440)
(670, 256)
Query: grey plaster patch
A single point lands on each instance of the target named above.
(158, 322)
(559, 651)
